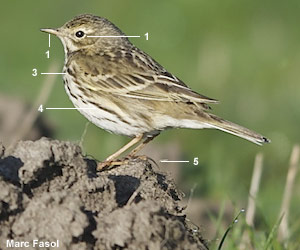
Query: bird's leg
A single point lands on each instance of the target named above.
(141, 146)
(114, 156)
(134, 141)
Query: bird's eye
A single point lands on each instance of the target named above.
(79, 34)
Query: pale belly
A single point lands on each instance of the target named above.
(101, 117)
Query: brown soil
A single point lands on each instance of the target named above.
(50, 192)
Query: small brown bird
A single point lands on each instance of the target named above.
(123, 90)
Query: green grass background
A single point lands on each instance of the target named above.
(243, 53)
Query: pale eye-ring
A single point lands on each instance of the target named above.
(79, 34)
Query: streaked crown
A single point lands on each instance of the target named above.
(80, 33)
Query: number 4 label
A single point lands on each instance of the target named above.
(40, 109)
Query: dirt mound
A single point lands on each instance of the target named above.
(49, 192)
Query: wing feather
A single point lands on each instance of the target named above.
(126, 76)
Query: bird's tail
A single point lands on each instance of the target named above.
(232, 128)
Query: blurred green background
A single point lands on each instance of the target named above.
(243, 53)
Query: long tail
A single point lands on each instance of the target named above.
(232, 128)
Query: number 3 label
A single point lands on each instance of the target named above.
(34, 72)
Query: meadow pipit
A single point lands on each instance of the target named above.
(123, 90)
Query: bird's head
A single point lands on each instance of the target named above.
(87, 31)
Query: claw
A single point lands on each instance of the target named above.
(106, 165)
(138, 157)
(101, 166)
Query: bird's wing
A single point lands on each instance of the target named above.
(136, 75)
(162, 88)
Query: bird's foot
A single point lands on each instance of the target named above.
(142, 158)
(106, 165)
(137, 157)
(109, 164)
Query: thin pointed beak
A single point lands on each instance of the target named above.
(51, 31)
